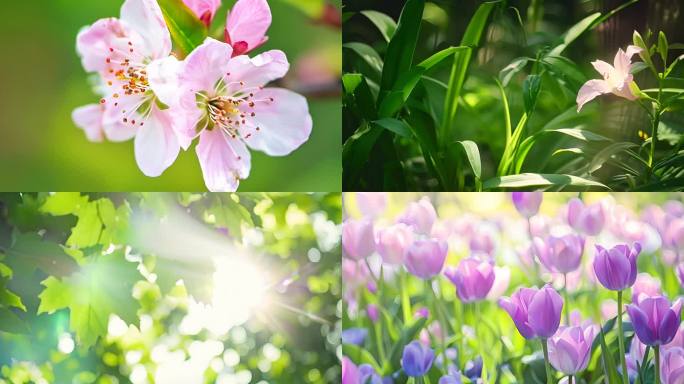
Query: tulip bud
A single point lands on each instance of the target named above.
(570, 348)
(616, 268)
(358, 239)
(671, 371)
(371, 204)
(473, 279)
(535, 312)
(425, 258)
(420, 216)
(587, 219)
(416, 360)
(527, 203)
(373, 312)
(392, 242)
(655, 321)
(560, 254)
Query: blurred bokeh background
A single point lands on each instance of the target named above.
(43, 81)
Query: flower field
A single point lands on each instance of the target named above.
(527, 287)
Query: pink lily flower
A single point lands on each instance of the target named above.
(616, 78)
(223, 101)
(246, 25)
(204, 9)
(126, 54)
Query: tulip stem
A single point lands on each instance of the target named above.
(440, 318)
(569, 379)
(621, 339)
(379, 340)
(657, 363)
(405, 300)
(549, 373)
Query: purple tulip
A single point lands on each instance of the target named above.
(616, 268)
(473, 279)
(483, 242)
(358, 239)
(527, 203)
(588, 219)
(371, 204)
(672, 366)
(425, 258)
(645, 286)
(392, 242)
(560, 254)
(373, 312)
(367, 375)
(422, 312)
(673, 237)
(350, 373)
(535, 312)
(655, 321)
(452, 378)
(570, 348)
(680, 274)
(416, 360)
(355, 336)
(420, 216)
(473, 369)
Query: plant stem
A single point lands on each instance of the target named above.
(440, 319)
(379, 340)
(549, 374)
(567, 302)
(657, 364)
(569, 379)
(411, 380)
(621, 339)
(405, 300)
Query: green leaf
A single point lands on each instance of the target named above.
(564, 69)
(607, 153)
(473, 155)
(102, 287)
(578, 133)
(114, 221)
(531, 88)
(407, 335)
(9, 298)
(401, 91)
(360, 356)
(662, 46)
(63, 203)
(517, 65)
(384, 23)
(356, 87)
(401, 47)
(29, 252)
(187, 31)
(525, 180)
(574, 32)
(394, 125)
(356, 150)
(608, 361)
(645, 52)
(231, 214)
(87, 231)
(459, 69)
(367, 54)
(11, 323)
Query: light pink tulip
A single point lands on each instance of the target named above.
(246, 25)
(616, 78)
(645, 286)
(570, 348)
(420, 215)
(392, 242)
(358, 240)
(371, 204)
(203, 9)
(126, 53)
(223, 101)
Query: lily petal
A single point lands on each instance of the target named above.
(590, 90)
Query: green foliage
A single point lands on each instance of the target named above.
(73, 264)
(187, 31)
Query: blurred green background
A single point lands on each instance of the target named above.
(43, 81)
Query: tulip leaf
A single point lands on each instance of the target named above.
(407, 335)
(609, 367)
(360, 356)
(187, 31)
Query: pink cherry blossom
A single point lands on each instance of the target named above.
(121, 51)
(246, 25)
(203, 9)
(616, 78)
(223, 101)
